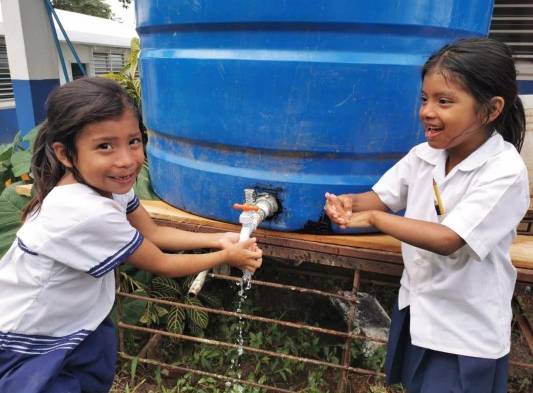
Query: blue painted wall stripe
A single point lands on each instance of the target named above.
(8, 124)
(30, 96)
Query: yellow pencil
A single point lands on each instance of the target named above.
(439, 205)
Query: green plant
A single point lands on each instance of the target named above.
(174, 319)
(15, 158)
(128, 76)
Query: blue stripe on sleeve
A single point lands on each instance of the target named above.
(24, 248)
(119, 257)
(38, 345)
(132, 205)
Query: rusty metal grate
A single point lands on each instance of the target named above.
(343, 368)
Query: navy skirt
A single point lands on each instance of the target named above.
(422, 370)
(90, 367)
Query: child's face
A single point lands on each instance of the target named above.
(450, 116)
(110, 154)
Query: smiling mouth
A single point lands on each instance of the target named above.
(432, 131)
(122, 178)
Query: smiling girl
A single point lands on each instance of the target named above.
(464, 192)
(57, 285)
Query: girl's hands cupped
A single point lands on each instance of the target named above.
(245, 255)
(227, 239)
(339, 209)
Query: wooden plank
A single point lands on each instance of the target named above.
(163, 211)
(521, 250)
(363, 247)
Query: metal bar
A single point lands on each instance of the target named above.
(520, 364)
(120, 310)
(250, 349)
(67, 40)
(528, 18)
(49, 10)
(497, 31)
(203, 373)
(524, 325)
(288, 287)
(347, 345)
(252, 317)
(513, 5)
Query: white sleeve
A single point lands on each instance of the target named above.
(393, 186)
(96, 244)
(491, 210)
(133, 202)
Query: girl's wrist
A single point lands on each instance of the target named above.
(373, 217)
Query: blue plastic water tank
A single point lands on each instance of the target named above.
(291, 97)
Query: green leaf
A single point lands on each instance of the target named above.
(143, 186)
(166, 287)
(132, 311)
(197, 317)
(175, 319)
(21, 161)
(11, 207)
(211, 300)
(6, 149)
(30, 137)
(161, 311)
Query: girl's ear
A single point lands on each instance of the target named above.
(61, 154)
(495, 108)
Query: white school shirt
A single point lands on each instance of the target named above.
(461, 303)
(56, 281)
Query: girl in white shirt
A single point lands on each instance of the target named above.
(464, 192)
(56, 281)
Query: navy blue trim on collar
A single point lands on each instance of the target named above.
(119, 257)
(24, 248)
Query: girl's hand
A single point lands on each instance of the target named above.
(339, 209)
(227, 239)
(361, 219)
(245, 255)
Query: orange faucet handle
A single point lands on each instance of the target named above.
(245, 207)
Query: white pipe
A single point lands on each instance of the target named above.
(249, 220)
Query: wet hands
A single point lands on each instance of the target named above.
(245, 255)
(339, 209)
(227, 239)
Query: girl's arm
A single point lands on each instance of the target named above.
(430, 236)
(244, 255)
(173, 239)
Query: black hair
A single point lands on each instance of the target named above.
(69, 108)
(485, 68)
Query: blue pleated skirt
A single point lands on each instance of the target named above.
(422, 370)
(89, 367)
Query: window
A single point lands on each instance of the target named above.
(108, 60)
(6, 87)
(76, 71)
(512, 23)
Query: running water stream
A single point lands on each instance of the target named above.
(244, 284)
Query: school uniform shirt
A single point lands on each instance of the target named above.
(461, 303)
(56, 281)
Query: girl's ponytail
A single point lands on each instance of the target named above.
(46, 170)
(512, 123)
